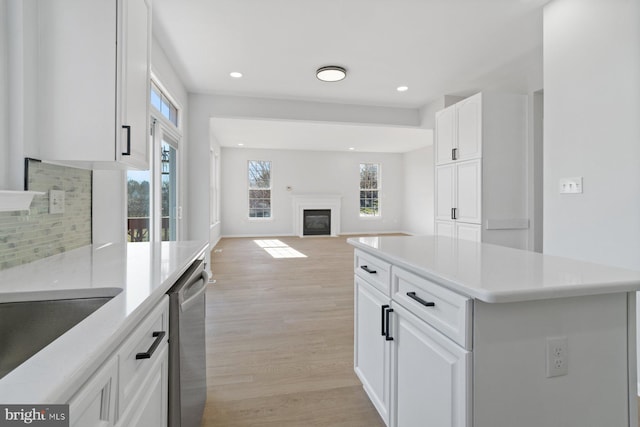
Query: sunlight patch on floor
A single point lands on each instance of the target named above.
(278, 249)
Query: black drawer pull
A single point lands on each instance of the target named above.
(147, 355)
(384, 307)
(367, 269)
(386, 335)
(413, 295)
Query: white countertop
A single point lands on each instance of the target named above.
(144, 271)
(497, 274)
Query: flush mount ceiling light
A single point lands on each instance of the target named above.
(331, 73)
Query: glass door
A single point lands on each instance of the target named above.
(169, 189)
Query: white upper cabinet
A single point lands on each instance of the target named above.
(458, 132)
(469, 127)
(445, 134)
(92, 66)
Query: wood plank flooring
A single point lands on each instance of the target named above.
(280, 336)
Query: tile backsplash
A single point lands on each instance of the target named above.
(27, 236)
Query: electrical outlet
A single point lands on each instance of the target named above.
(56, 201)
(557, 356)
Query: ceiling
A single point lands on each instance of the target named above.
(435, 47)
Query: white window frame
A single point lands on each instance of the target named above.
(378, 189)
(248, 199)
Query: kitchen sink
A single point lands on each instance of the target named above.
(26, 327)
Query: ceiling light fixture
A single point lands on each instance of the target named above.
(351, 148)
(235, 74)
(331, 73)
(402, 88)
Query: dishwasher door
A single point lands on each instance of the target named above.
(187, 354)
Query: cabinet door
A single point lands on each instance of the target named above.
(372, 350)
(469, 128)
(135, 33)
(468, 191)
(150, 406)
(94, 404)
(76, 98)
(446, 229)
(472, 232)
(445, 134)
(445, 191)
(432, 374)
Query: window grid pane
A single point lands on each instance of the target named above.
(369, 189)
(259, 174)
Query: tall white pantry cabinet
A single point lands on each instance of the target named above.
(480, 170)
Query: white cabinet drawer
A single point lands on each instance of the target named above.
(134, 371)
(447, 311)
(375, 271)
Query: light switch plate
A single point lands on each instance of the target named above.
(571, 185)
(56, 201)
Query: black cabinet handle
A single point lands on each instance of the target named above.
(367, 269)
(128, 128)
(386, 332)
(147, 355)
(383, 308)
(454, 212)
(413, 296)
(454, 152)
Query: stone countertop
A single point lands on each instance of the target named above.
(497, 274)
(144, 272)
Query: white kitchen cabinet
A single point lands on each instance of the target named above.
(480, 167)
(130, 390)
(432, 375)
(149, 406)
(372, 349)
(458, 192)
(94, 404)
(458, 230)
(93, 65)
(458, 131)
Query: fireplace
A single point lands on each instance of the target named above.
(327, 204)
(316, 222)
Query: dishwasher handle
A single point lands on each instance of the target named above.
(186, 304)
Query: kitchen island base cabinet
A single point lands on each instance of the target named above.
(372, 350)
(432, 386)
(484, 357)
(94, 405)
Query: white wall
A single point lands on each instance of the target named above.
(418, 191)
(592, 129)
(318, 172)
(4, 94)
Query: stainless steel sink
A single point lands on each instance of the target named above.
(26, 327)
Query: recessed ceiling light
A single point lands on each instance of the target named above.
(331, 73)
(235, 74)
(351, 148)
(240, 144)
(402, 88)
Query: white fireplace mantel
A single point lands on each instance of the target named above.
(316, 201)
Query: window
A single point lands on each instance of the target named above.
(153, 197)
(369, 189)
(259, 189)
(161, 102)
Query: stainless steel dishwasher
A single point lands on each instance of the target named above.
(187, 355)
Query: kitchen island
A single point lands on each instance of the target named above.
(456, 333)
(143, 271)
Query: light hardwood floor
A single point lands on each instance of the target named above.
(280, 336)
